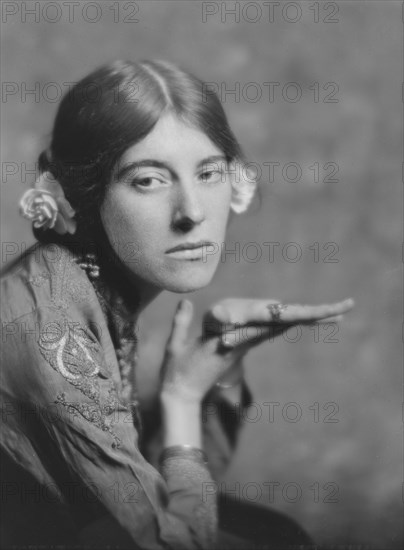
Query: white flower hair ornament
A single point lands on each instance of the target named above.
(244, 183)
(46, 206)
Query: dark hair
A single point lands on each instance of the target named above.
(109, 111)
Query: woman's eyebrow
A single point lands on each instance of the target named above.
(130, 166)
(140, 164)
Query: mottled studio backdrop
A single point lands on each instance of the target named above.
(313, 91)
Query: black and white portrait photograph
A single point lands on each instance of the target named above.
(201, 275)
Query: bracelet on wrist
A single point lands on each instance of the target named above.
(184, 451)
(236, 381)
(224, 386)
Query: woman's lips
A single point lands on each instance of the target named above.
(188, 244)
(198, 253)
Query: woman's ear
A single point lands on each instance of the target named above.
(244, 183)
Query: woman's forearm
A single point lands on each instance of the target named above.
(181, 421)
(230, 385)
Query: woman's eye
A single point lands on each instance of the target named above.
(212, 176)
(148, 181)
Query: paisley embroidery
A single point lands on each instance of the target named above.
(73, 352)
(112, 403)
(67, 286)
(76, 290)
(90, 412)
(39, 279)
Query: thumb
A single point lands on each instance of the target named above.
(181, 323)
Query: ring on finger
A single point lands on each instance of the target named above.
(275, 310)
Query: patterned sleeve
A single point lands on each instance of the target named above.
(222, 421)
(83, 436)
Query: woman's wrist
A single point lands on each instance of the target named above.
(230, 386)
(181, 420)
(187, 452)
(232, 378)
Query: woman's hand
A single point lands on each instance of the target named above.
(191, 366)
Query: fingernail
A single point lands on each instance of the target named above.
(226, 342)
(185, 305)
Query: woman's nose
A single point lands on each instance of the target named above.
(188, 209)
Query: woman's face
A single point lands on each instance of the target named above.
(169, 189)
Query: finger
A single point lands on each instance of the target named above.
(238, 311)
(254, 334)
(180, 326)
(325, 321)
(281, 327)
(298, 313)
(234, 311)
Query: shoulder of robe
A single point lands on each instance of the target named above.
(54, 333)
(48, 300)
(45, 276)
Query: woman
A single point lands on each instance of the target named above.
(136, 191)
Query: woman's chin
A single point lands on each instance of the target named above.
(190, 283)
